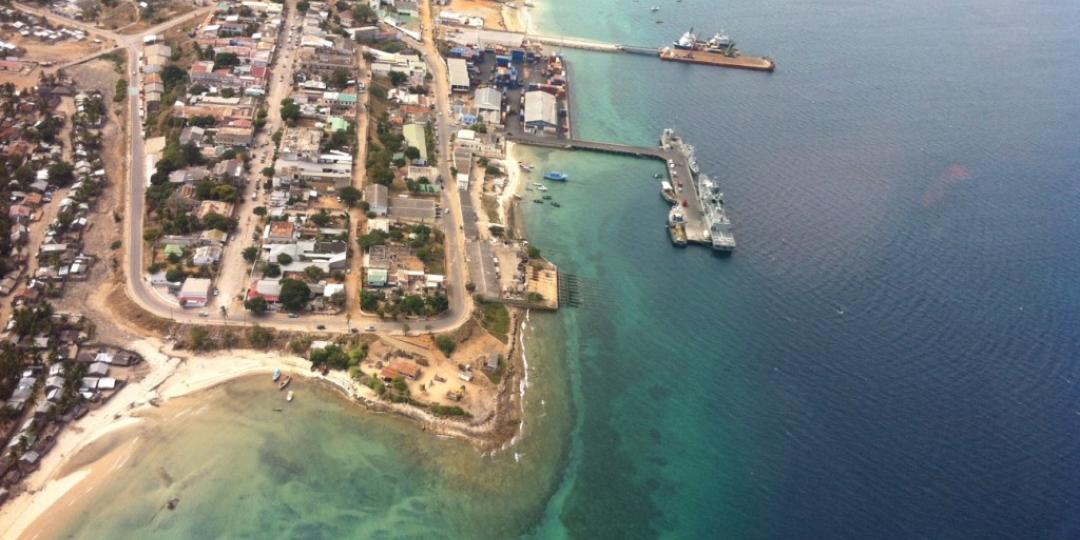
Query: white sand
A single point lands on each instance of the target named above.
(170, 376)
(514, 177)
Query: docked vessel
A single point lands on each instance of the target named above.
(289, 396)
(716, 219)
(718, 50)
(677, 226)
(556, 176)
(277, 374)
(525, 166)
(667, 192)
(284, 382)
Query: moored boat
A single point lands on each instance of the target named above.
(667, 192)
(277, 374)
(556, 176)
(284, 382)
(289, 396)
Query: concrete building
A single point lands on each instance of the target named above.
(377, 197)
(541, 112)
(195, 292)
(488, 103)
(459, 75)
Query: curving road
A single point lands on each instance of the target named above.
(149, 299)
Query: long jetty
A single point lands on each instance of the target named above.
(738, 61)
(679, 172)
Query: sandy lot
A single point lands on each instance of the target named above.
(39, 51)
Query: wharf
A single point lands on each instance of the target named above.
(680, 174)
(738, 61)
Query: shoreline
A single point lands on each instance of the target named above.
(176, 374)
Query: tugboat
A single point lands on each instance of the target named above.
(668, 193)
(677, 226)
(556, 176)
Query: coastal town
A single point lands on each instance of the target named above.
(334, 181)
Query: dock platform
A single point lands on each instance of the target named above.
(682, 178)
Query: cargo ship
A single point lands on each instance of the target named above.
(717, 51)
(712, 206)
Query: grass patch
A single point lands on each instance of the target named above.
(495, 318)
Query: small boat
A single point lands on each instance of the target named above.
(556, 176)
(546, 197)
(654, 9)
(525, 166)
(542, 188)
(289, 396)
(277, 374)
(657, 176)
(538, 201)
(284, 382)
(556, 204)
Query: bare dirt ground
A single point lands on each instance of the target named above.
(119, 16)
(39, 51)
(487, 9)
(79, 296)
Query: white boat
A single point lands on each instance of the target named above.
(277, 374)
(654, 9)
(289, 396)
(542, 188)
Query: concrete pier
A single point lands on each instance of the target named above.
(696, 230)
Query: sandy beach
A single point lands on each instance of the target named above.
(170, 376)
(514, 177)
(173, 374)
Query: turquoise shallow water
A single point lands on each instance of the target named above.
(890, 353)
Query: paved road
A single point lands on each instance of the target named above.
(143, 294)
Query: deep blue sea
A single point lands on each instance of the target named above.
(892, 352)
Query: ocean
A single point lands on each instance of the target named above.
(890, 352)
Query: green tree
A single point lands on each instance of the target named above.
(349, 195)
(257, 305)
(294, 294)
(175, 275)
(302, 6)
(199, 338)
(250, 253)
(313, 273)
(61, 173)
(290, 111)
(534, 252)
(225, 59)
(413, 304)
(412, 152)
(340, 78)
(445, 344)
(369, 300)
(271, 270)
(398, 78)
(259, 337)
(284, 259)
